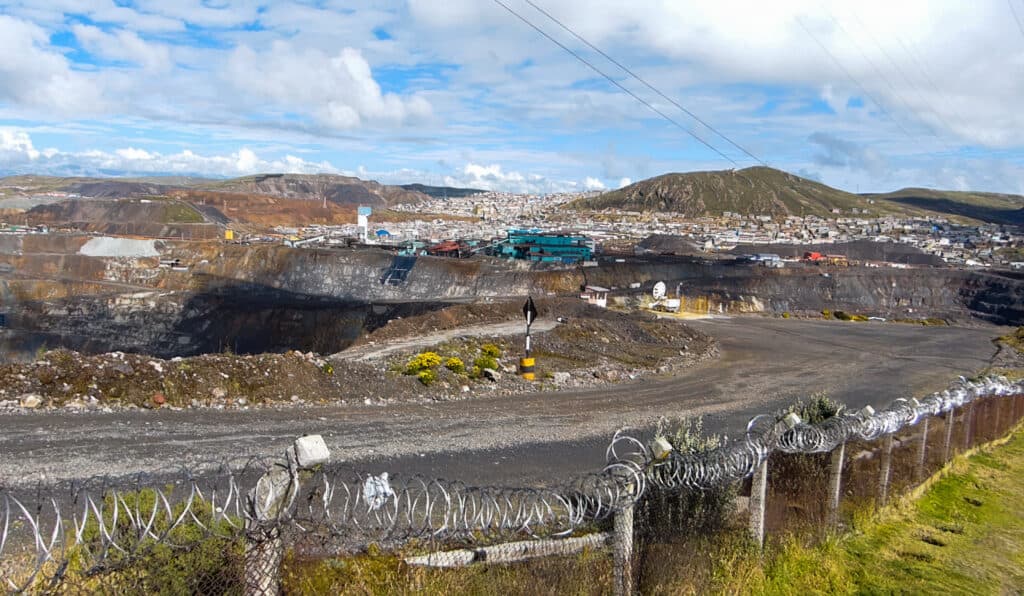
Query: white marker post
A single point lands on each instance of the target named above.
(526, 364)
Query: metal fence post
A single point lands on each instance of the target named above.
(886, 467)
(758, 492)
(950, 421)
(922, 451)
(622, 550)
(266, 505)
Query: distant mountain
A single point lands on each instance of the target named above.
(443, 191)
(340, 190)
(767, 191)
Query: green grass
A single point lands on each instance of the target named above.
(177, 212)
(1015, 340)
(964, 535)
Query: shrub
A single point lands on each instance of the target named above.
(785, 315)
(490, 350)
(818, 408)
(694, 512)
(427, 377)
(826, 313)
(327, 368)
(476, 372)
(455, 365)
(422, 362)
(484, 361)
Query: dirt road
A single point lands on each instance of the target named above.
(764, 364)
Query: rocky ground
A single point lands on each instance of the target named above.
(590, 347)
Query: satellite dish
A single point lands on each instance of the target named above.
(659, 290)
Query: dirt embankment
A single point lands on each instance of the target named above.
(592, 347)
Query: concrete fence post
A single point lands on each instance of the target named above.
(267, 505)
(922, 451)
(966, 422)
(758, 493)
(622, 551)
(886, 469)
(950, 421)
(835, 484)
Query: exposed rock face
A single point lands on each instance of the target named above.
(715, 287)
(243, 299)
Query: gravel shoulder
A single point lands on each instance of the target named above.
(763, 364)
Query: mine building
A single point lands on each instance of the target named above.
(547, 247)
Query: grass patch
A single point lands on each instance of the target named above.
(1015, 340)
(964, 535)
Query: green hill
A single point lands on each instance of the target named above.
(751, 191)
(767, 191)
(980, 206)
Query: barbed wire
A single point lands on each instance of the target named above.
(106, 523)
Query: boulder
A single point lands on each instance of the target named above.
(561, 378)
(492, 375)
(30, 400)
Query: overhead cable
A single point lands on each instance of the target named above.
(616, 83)
(647, 84)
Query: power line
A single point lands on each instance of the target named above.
(642, 80)
(925, 72)
(853, 79)
(616, 83)
(914, 87)
(878, 71)
(1016, 17)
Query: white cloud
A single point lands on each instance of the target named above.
(591, 183)
(16, 146)
(339, 90)
(494, 177)
(624, 181)
(17, 154)
(125, 46)
(37, 78)
(133, 154)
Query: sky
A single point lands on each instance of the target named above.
(866, 96)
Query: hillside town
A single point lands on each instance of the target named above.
(492, 214)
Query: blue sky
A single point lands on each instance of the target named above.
(870, 97)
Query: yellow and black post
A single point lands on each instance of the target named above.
(526, 363)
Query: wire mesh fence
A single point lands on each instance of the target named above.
(258, 526)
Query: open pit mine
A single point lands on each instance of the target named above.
(171, 298)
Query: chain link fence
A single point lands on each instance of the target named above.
(262, 526)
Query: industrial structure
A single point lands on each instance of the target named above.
(546, 247)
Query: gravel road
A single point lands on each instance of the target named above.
(764, 364)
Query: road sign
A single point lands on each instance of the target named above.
(529, 310)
